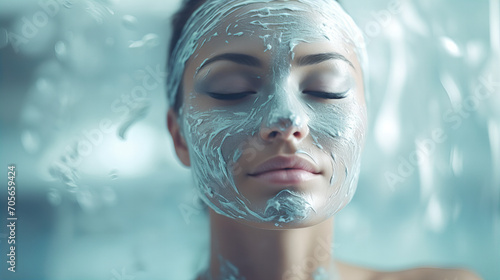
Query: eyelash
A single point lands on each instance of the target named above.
(229, 96)
(328, 95)
(235, 96)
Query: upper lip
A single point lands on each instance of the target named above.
(284, 162)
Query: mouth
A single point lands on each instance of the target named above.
(285, 170)
(285, 176)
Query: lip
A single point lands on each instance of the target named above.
(285, 170)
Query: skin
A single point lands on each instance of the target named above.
(257, 248)
(287, 100)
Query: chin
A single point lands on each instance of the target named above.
(286, 223)
(289, 208)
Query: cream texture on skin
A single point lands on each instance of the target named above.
(224, 137)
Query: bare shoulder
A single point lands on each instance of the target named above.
(350, 271)
(429, 273)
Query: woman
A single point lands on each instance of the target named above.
(268, 108)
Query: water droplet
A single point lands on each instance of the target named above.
(434, 216)
(129, 21)
(98, 11)
(151, 40)
(457, 161)
(4, 38)
(54, 197)
(85, 199)
(111, 12)
(476, 52)
(136, 44)
(68, 4)
(65, 174)
(388, 130)
(30, 141)
(113, 174)
(61, 50)
(43, 85)
(135, 115)
(450, 46)
(71, 187)
(452, 89)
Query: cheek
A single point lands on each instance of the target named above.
(338, 130)
(215, 138)
(339, 124)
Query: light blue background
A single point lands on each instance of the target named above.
(127, 210)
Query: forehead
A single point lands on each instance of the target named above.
(282, 21)
(265, 27)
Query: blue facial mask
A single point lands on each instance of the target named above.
(225, 138)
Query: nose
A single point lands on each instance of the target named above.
(288, 127)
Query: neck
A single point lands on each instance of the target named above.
(249, 253)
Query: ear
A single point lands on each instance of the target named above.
(180, 145)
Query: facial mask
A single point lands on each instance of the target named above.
(221, 138)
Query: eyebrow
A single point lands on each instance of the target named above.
(239, 58)
(322, 57)
(252, 61)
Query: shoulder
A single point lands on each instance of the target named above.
(350, 271)
(429, 273)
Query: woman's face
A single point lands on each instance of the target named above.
(274, 80)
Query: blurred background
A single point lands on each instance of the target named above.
(100, 193)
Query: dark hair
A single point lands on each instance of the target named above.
(178, 22)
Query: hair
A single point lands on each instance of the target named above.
(178, 22)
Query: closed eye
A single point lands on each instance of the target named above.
(229, 96)
(328, 95)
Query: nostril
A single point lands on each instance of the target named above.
(296, 134)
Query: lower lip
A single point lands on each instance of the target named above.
(285, 176)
